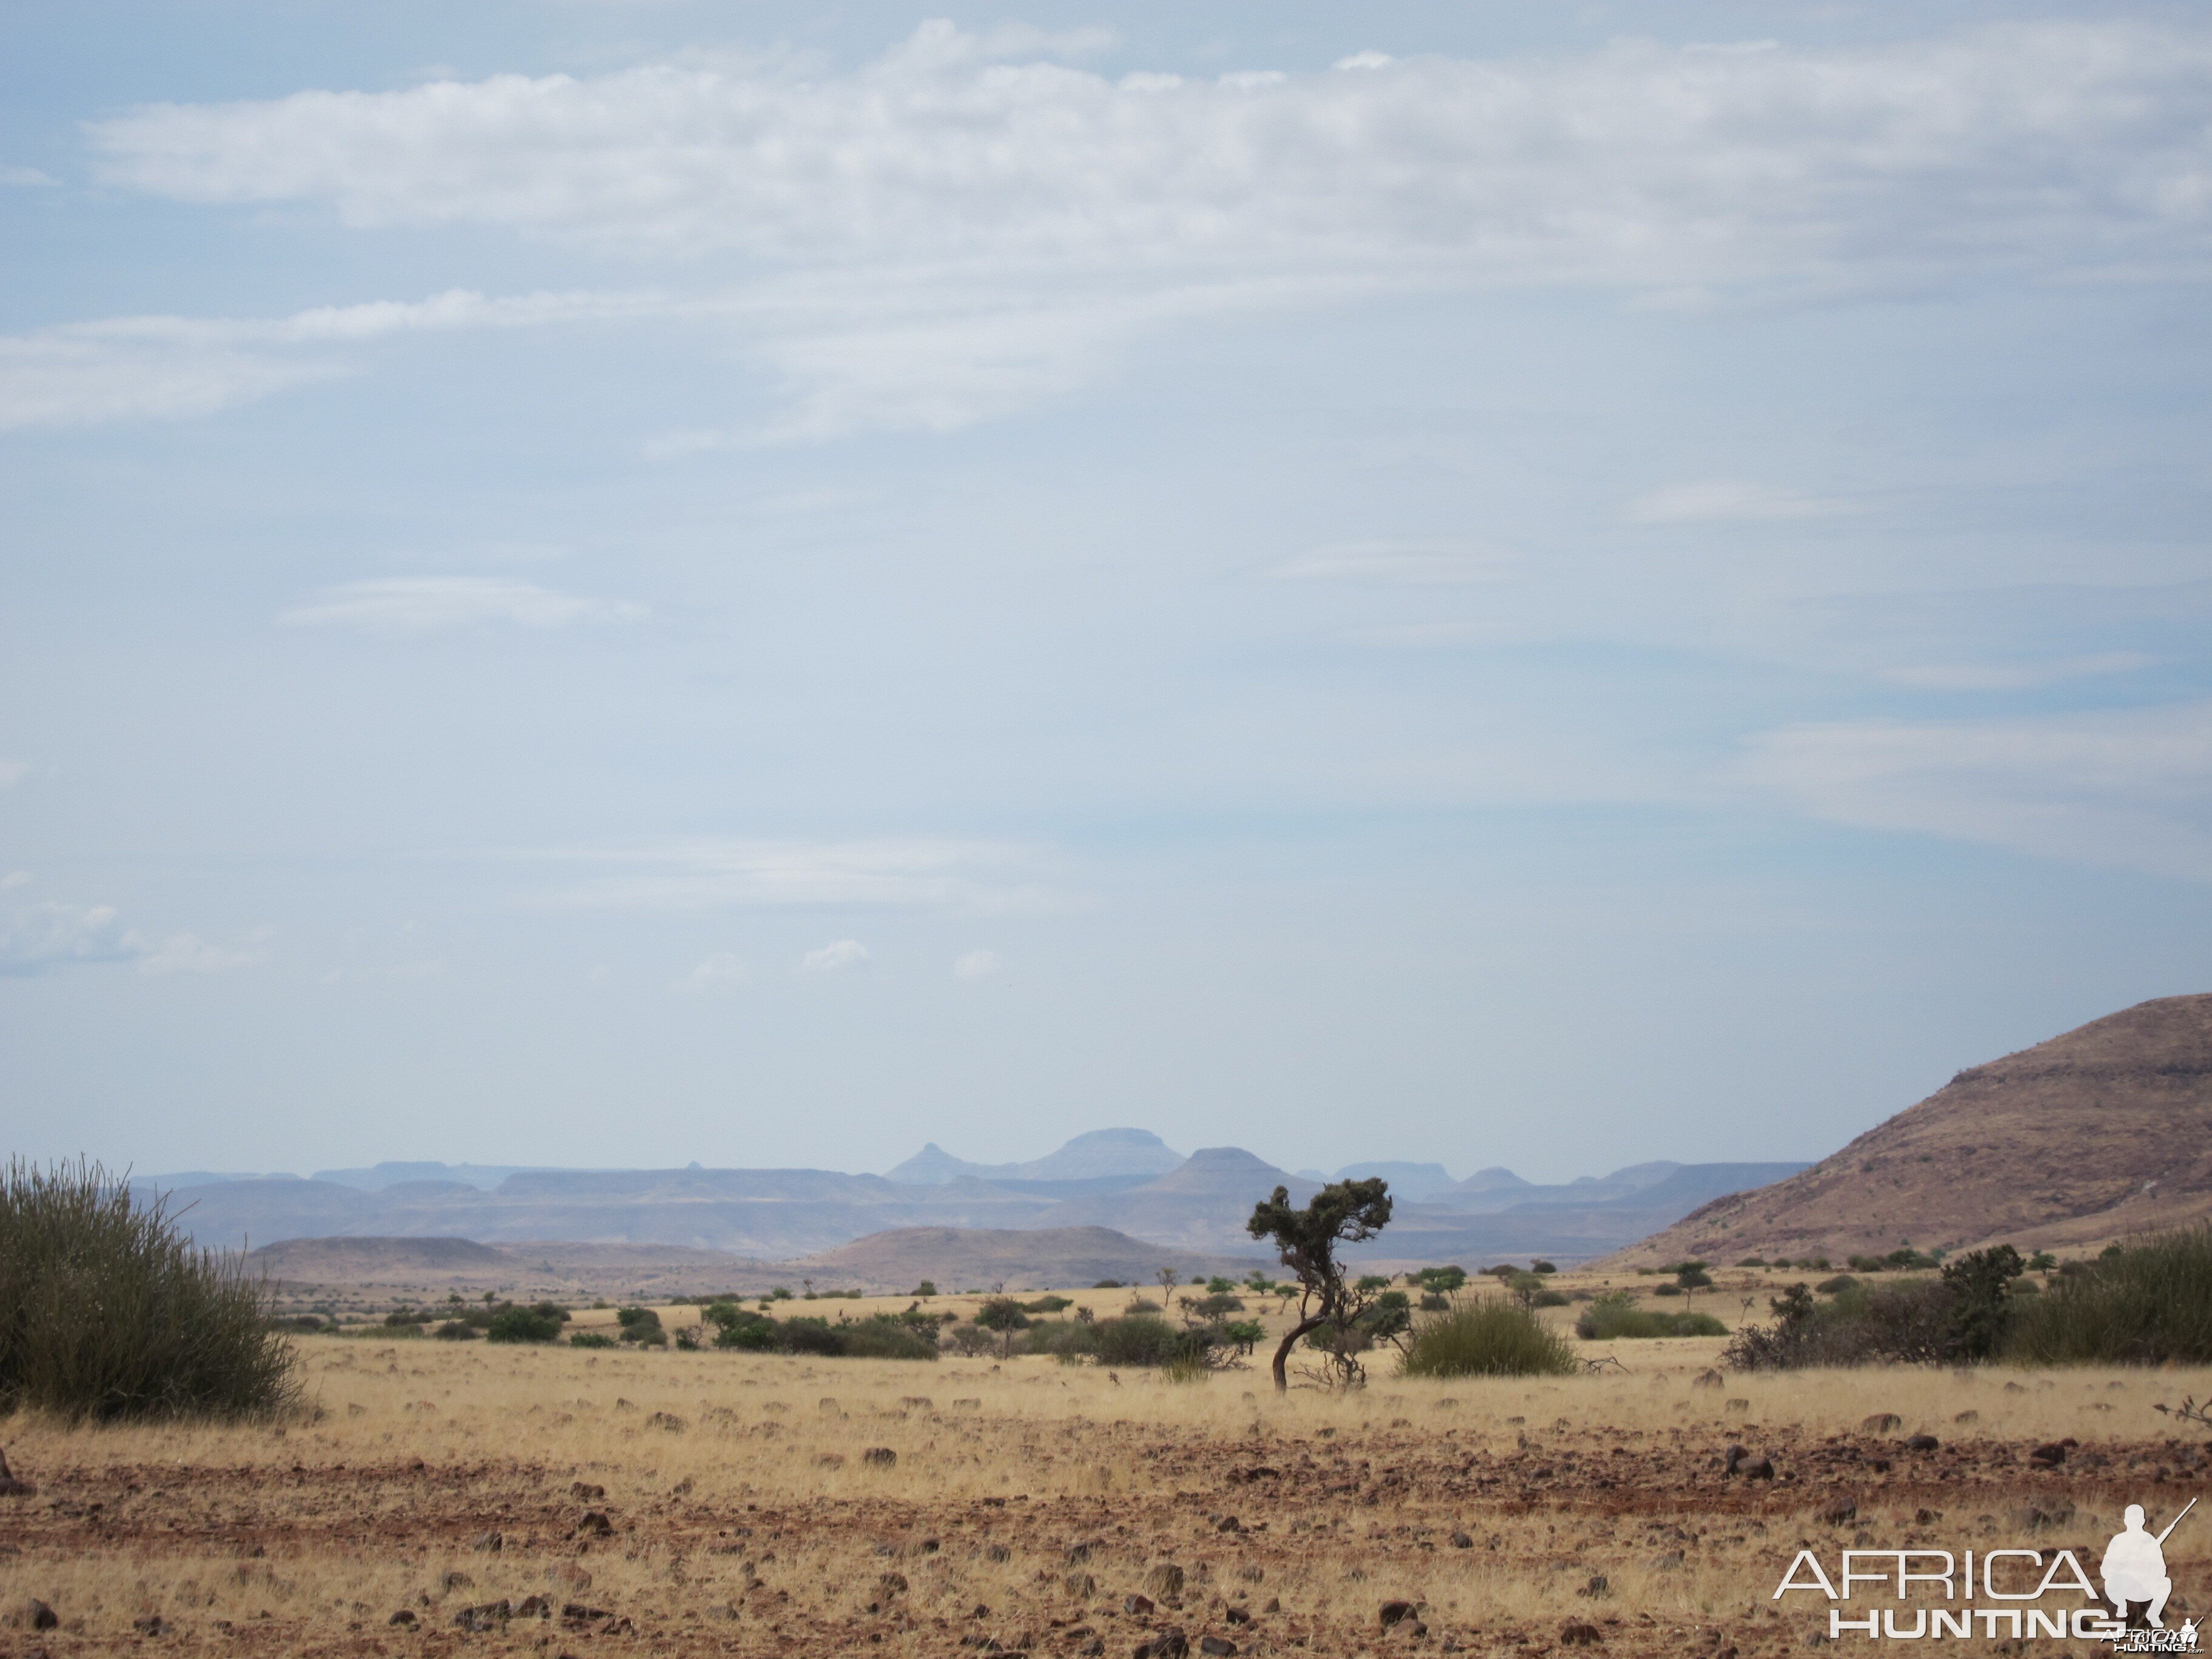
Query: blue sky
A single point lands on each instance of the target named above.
(601, 583)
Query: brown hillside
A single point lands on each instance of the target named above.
(2091, 1137)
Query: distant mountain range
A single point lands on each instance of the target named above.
(1128, 1180)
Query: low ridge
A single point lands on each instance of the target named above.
(2094, 1136)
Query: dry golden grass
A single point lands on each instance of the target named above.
(744, 1519)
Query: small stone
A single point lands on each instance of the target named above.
(588, 1491)
(404, 1619)
(488, 1616)
(2049, 1457)
(1599, 1585)
(575, 1613)
(1274, 1605)
(533, 1607)
(1229, 1524)
(1838, 1510)
(1967, 1417)
(455, 1580)
(1461, 1541)
(1708, 1379)
(1219, 1646)
(1137, 1607)
(1077, 1553)
(1881, 1422)
(1237, 1616)
(882, 1457)
(42, 1616)
(1081, 1585)
(1165, 1582)
(1575, 1634)
(1922, 1443)
(1168, 1645)
(892, 1583)
(152, 1625)
(1000, 1552)
(595, 1524)
(1395, 1612)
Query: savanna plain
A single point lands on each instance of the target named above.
(440, 1497)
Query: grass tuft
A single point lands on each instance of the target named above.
(108, 1313)
(1487, 1336)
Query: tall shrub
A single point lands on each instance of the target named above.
(108, 1312)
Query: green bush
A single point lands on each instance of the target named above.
(2151, 1304)
(1486, 1337)
(879, 1336)
(1960, 1317)
(522, 1325)
(1048, 1304)
(590, 1339)
(1136, 1339)
(1611, 1318)
(456, 1330)
(106, 1312)
(1837, 1285)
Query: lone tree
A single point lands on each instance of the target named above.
(1342, 1213)
(1003, 1314)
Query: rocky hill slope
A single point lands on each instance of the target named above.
(2091, 1137)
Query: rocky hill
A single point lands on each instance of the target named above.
(2091, 1137)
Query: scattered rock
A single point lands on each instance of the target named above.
(1237, 1616)
(1220, 1646)
(1274, 1605)
(1168, 1645)
(1092, 1648)
(1967, 1417)
(404, 1619)
(882, 1457)
(1737, 1407)
(533, 1607)
(42, 1617)
(588, 1491)
(1599, 1585)
(1077, 1553)
(1137, 1607)
(455, 1580)
(1165, 1582)
(576, 1614)
(1394, 1613)
(2049, 1457)
(1229, 1524)
(1923, 1443)
(892, 1583)
(624, 1405)
(595, 1524)
(1000, 1552)
(1708, 1379)
(1461, 1540)
(1081, 1585)
(1575, 1634)
(1881, 1422)
(2015, 1388)
(1838, 1510)
(488, 1616)
(1738, 1460)
(570, 1574)
(152, 1625)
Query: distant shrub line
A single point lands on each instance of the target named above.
(2149, 1304)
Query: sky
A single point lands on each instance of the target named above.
(619, 584)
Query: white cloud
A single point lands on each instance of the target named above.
(37, 938)
(1641, 164)
(943, 236)
(1408, 561)
(712, 873)
(424, 605)
(163, 367)
(2130, 788)
(186, 953)
(1725, 502)
(718, 972)
(839, 957)
(2014, 677)
(976, 964)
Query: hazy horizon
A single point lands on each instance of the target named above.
(609, 585)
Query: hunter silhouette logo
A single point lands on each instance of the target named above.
(2132, 1569)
